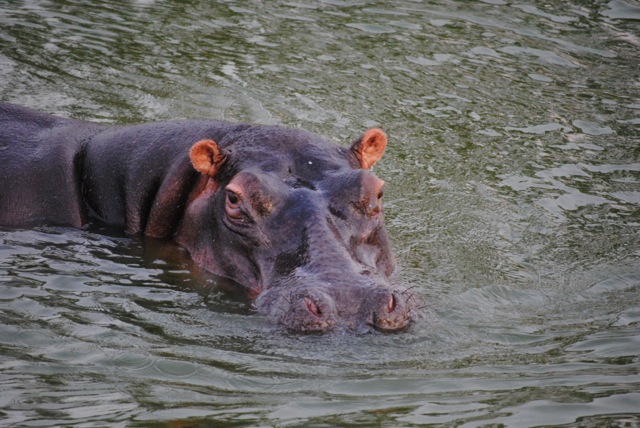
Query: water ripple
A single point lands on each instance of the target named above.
(512, 203)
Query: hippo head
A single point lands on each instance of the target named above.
(299, 222)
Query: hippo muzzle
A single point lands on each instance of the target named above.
(319, 308)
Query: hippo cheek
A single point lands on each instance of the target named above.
(388, 310)
(301, 310)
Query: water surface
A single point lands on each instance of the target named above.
(512, 201)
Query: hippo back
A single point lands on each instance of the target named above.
(40, 157)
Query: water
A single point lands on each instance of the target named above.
(512, 200)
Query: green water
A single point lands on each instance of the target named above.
(512, 201)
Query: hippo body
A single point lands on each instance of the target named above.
(296, 220)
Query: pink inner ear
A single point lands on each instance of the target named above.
(370, 148)
(206, 157)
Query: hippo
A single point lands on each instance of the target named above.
(295, 220)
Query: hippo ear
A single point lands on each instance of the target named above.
(369, 148)
(207, 157)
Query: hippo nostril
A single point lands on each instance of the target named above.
(313, 307)
(391, 310)
(304, 309)
(391, 305)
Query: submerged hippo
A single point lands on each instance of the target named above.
(295, 219)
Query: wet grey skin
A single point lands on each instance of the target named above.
(294, 219)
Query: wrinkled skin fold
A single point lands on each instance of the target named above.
(296, 220)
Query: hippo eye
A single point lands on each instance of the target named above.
(233, 197)
(380, 193)
(232, 205)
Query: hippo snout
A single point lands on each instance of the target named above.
(307, 309)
